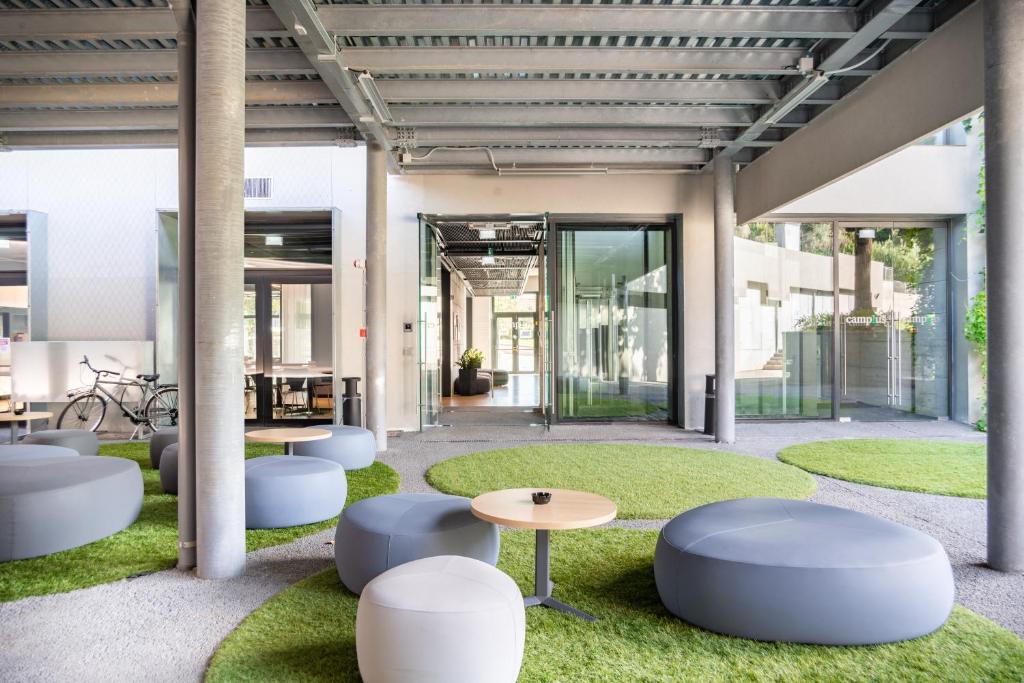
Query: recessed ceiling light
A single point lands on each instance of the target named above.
(488, 234)
(5, 244)
(488, 260)
(273, 240)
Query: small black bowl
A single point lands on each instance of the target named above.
(541, 497)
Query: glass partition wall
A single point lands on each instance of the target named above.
(884, 357)
(614, 321)
(430, 327)
(288, 346)
(784, 304)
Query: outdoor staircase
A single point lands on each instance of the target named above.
(776, 362)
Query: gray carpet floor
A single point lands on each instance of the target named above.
(165, 626)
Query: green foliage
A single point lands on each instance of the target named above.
(471, 358)
(813, 322)
(646, 482)
(307, 632)
(815, 238)
(941, 467)
(150, 544)
(976, 319)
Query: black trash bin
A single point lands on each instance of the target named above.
(351, 403)
(709, 404)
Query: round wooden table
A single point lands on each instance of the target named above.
(567, 510)
(287, 436)
(14, 419)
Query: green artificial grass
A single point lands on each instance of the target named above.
(948, 468)
(307, 632)
(150, 544)
(646, 482)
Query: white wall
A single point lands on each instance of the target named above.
(482, 312)
(923, 179)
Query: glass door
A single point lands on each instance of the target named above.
(505, 343)
(288, 347)
(515, 342)
(526, 348)
(893, 325)
(430, 327)
(614, 317)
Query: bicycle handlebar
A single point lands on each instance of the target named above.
(86, 363)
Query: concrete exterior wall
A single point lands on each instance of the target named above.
(102, 206)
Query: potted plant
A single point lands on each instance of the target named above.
(469, 362)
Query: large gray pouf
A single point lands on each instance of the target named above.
(160, 440)
(285, 490)
(793, 571)
(169, 469)
(23, 451)
(53, 504)
(379, 533)
(351, 447)
(81, 440)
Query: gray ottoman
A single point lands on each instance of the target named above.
(351, 447)
(379, 533)
(23, 451)
(793, 571)
(81, 440)
(169, 469)
(161, 439)
(285, 490)
(53, 504)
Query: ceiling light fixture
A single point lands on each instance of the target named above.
(376, 99)
(488, 234)
(273, 240)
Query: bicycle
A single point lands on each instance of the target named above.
(157, 406)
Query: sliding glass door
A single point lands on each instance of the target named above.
(614, 321)
(894, 341)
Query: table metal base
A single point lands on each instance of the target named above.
(542, 581)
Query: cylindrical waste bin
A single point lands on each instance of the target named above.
(351, 403)
(709, 404)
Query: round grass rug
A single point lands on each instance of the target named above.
(948, 468)
(646, 482)
(307, 632)
(150, 544)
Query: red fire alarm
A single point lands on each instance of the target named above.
(362, 332)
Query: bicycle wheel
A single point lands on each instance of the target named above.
(162, 408)
(84, 412)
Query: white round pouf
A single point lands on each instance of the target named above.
(445, 618)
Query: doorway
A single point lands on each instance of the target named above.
(288, 347)
(482, 294)
(893, 322)
(514, 334)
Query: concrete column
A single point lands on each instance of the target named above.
(725, 331)
(220, 416)
(1004, 181)
(186, 286)
(376, 292)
